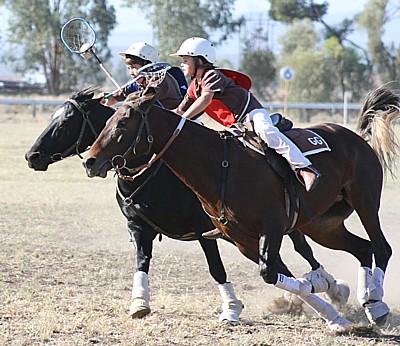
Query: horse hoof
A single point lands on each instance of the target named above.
(139, 311)
(381, 320)
(230, 322)
(339, 325)
(377, 312)
(231, 315)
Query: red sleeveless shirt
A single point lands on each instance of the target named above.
(217, 109)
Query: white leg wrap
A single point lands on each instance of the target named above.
(231, 306)
(338, 293)
(364, 280)
(318, 282)
(297, 286)
(140, 303)
(321, 271)
(375, 288)
(325, 310)
(377, 312)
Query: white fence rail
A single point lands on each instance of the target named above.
(344, 107)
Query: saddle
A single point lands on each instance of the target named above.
(306, 140)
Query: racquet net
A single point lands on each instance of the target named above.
(78, 35)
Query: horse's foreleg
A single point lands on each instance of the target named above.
(140, 302)
(270, 262)
(214, 261)
(231, 306)
(326, 311)
(269, 256)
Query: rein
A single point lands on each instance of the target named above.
(86, 121)
(139, 170)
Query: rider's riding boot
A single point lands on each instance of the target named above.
(310, 177)
(213, 234)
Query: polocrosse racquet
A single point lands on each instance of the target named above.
(153, 73)
(79, 37)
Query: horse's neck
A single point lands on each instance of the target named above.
(191, 155)
(100, 116)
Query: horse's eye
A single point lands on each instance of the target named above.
(122, 124)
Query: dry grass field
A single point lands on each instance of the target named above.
(66, 267)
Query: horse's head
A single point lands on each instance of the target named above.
(72, 128)
(126, 136)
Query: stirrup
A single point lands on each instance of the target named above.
(213, 234)
(316, 180)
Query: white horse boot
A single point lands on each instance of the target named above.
(140, 303)
(326, 311)
(364, 280)
(231, 306)
(318, 282)
(375, 309)
(338, 291)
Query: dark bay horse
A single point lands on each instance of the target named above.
(154, 203)
(236, 185)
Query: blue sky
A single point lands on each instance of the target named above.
(125, 33)
(132, 26)
(338, 9)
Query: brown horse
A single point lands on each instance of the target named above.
(237, 187)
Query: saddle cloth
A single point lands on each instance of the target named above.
(307, 141)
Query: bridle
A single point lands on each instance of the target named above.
(118, 162)
(144, 124)
(86, 121)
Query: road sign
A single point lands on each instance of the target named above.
(287, 73)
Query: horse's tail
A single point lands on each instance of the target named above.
(380, 110)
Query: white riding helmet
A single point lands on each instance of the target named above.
(197, 46)
(142, 50)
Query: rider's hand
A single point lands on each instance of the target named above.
(107, 101)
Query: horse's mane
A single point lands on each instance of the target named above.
(87, 92)
(137, 99)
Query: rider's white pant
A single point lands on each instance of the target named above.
(276, 140)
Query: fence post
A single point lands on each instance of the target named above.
(33, 109)
(345, 110)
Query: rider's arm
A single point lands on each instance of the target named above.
(198, 106)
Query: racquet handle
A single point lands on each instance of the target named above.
(110, 76)
(123, 86)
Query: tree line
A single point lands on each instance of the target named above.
(326, 61)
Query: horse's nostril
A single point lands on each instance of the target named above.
(32, 157)
(89, 162)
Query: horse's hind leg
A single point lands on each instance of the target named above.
(339, 238)
(370, 282)
(337, 291)
(303, 248)
(231, 306)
